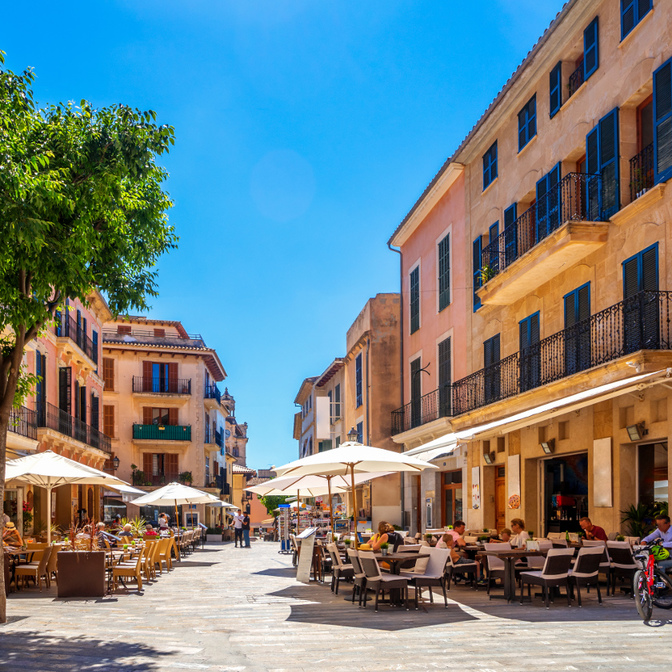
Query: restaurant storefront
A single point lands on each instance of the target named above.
(564, 492)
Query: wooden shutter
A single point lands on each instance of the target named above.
(414, 299)
(510, 234)
(170, 466)
(491, 351)
(591, 56)
(147, 372)
(82, 403)
(147, 415)
(649, 272)
(108, 373)
(593, 191)
(172, 377)
(630, 278)
(444, 363)
(148, 464)
(172, 416)
(577, 306)
(584, 303)
(64, 389)
(108, 420)
(94, 340)
(608, 158)
(542, 208)
(662, 122)
(554, 199)
(477, 249)
(555, 85)
(444, 272)
(124, 329)
(534, 329)
(628, 19)
(95, 411)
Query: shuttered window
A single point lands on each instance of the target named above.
(527, 122)
(577, 333)
(94, 340)
(82, 404)
(491, 351)
(530, 360)
(555, 87)
(360, 432)
(108, 374)
(108, 420)
(65, 389)
(95, 411)
(548, 203)
(477, 256)
(662, 120)
(491, 357)
(445, 375)
(640, 273)
(632, 12)
(444, 272)
(510, 234)
(358, 380)
(414, 299)
(337, 402)
(591, 53)
(602, 153)
(490, 165)
(577, 305)
(416, 392)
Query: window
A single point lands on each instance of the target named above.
(555, 87)
(108, 374)
(490, 254)
(159, 416)
(337, 402)
(358, 380)
(640, 273)
(108, 420)
(491, 356)
(159, 333)
(416, 392)
(94, 340)
(603, 196)
(323, 445)
(445, 378)
(444, 272)
(530, 359)
(490, 166)
(577, 338)
(548, 203)
(662, 121)
(476, 269)
(414, 298)
(160, 467)
(591, 55)
(360, 432)
(124, 329)
(41, 384)
(65, 389)
(632, 12)
(527, 122)
(161, 377)
(510, 234)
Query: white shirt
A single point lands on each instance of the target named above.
(238, 521)
(518, 540)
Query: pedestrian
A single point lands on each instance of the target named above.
(238, 529)
(246, 530)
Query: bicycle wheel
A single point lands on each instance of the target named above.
(643, 600)
(662, 595)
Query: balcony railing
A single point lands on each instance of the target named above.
(575, 80)
(23, 421)
(212, 392)
(219, 438)
(162, 432)
(577, 197)
(52, 417)
(641, 172)
(66, 326)
(642, 322)
(162, 385)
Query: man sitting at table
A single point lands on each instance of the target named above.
(457, 533)
(126, 532)
(150, 531)
(458, 558)
(10, 536)
(592, 531)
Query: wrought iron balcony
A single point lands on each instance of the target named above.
(642, 322)
(162, 432)
(162, 385)
(212, 392)
(641, 172)
(575, 80)
(52, 417)
(67, 327)
(23, 421)
(577, 197)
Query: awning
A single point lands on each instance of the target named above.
(544, 412)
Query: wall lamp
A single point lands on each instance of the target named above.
(548, 446)
(637, 432)
(489, 458)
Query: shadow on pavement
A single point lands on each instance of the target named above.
(42, 651)
(284, 572)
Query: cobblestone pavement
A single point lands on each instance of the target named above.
(241, 609)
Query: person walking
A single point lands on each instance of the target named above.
(238, 529)
(246, 530)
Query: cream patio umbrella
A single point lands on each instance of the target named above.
(175, 493)
(314, 485)
(350, 458)
(50, 470)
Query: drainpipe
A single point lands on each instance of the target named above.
(402, 476)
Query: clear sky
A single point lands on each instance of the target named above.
(305, 131)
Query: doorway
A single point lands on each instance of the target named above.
(652, 473)
(500, 499)
(565, 492)
(451, 497)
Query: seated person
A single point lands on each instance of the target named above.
(458, 558)
(126, 532)
(592, 531)
(663, 531)
(442, 541)
(520, 535)
(150, 531)
(380, 537)
(504, 537)
(457, 533)
(11, 536)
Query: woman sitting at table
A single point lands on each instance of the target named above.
(11, 536)
(520, 536)
(380, 537)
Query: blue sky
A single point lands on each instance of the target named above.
(305, 131)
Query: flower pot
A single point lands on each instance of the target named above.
(383, 551)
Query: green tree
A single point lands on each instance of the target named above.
(82, 207)
(272, 502)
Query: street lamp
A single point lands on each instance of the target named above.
(353, 435)
(115, 463)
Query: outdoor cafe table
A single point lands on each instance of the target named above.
(509, 556)
(395, 560)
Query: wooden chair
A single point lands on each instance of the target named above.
(35, 570)
(52, 564)
(129, 570)
(164, 554)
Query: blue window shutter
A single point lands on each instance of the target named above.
(591, 55)
(608, 158)
(492, 249)
(628, 19)
(662, 121)
(532, 118)
(477, 249)
(553, 198)
(649, 269)
(510, 234)
(593, 192)
(555, 86)
(542, 209)
(444, 272)
(490, 165)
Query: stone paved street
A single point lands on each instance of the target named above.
(234, 609)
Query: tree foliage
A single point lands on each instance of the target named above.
(82, 207)
(272, 502)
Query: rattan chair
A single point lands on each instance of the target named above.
(554, 574)
(129, 570)
(434, 575)
(359, 586)
(35, 570)
(586, 570)
(379, 582)
(339, 570)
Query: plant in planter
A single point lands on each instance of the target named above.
(485, 273)
(429, 537)
(620, 537)
(347, 542)
(383, 548)
(186, 478)
(531, 533)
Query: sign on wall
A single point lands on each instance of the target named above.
(513, 481)
(476, 488)
(602, 473)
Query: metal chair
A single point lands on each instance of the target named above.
(339, 570)
(554, 574)
(623, 565)
(359, 586)
(379, 582)
(586, 570)
(434, 575)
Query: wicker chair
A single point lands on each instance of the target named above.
(129, 570)
(434, 575)
(379, 582)
(586, 570)
(554, 574)
(35, 570)
(339, 570)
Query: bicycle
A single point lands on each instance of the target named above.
(651, 585)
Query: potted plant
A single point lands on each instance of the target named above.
(531, 533)
(186, 477)
(81, 569)
(383, 548)
(620, 537)
(347, 542)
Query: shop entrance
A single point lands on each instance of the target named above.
(12, 506)
(652, 473)
(565, 492)
(451, 497)
(500, 499)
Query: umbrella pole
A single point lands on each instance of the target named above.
(354, 502)
(49, 516)
(331, 508)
